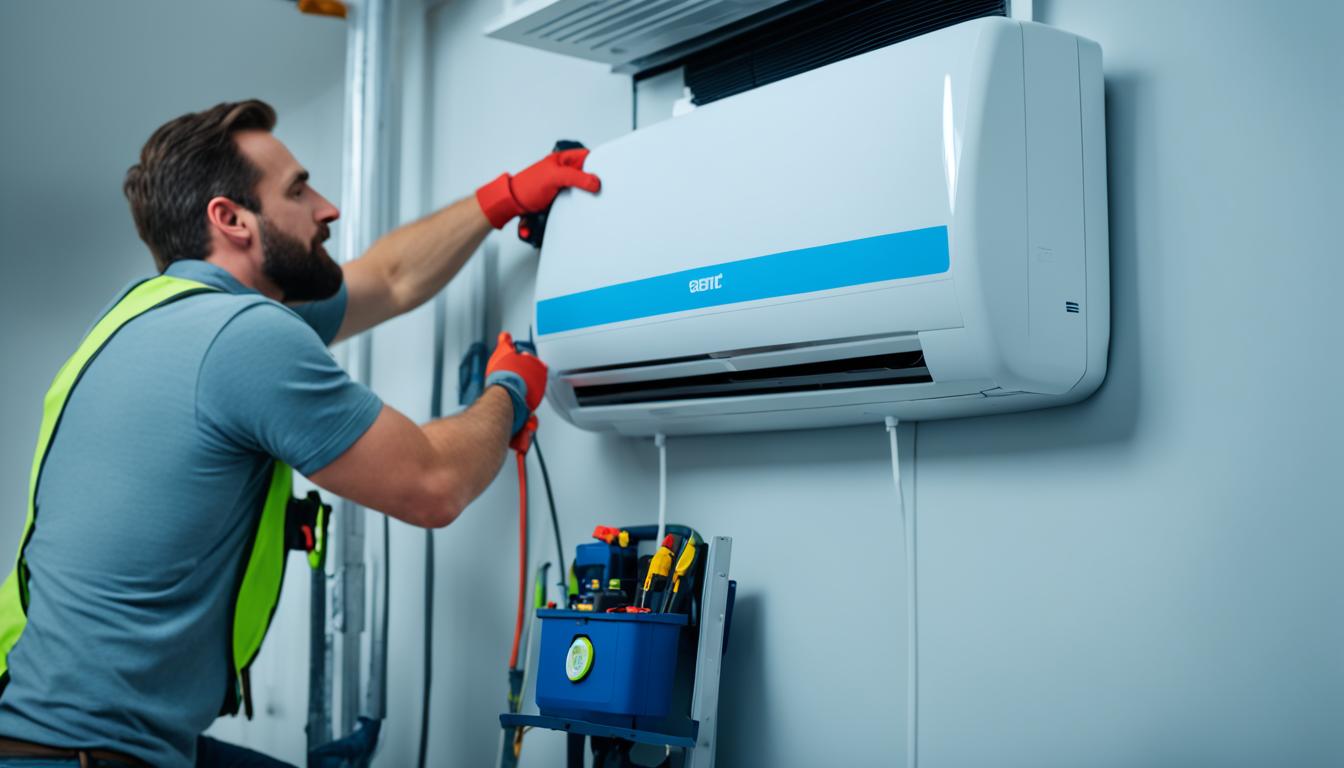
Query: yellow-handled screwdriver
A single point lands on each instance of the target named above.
(684, 563)
(659, 567)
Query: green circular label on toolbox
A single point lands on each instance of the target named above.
(579, 660)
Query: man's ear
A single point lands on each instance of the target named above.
(233, 221)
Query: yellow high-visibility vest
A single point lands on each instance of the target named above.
(284, 522)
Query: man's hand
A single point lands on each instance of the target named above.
(520, 374)
(535, 188)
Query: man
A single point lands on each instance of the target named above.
(158, 463)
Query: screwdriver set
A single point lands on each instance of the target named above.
(610, 577)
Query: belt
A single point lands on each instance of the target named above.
(88, 758)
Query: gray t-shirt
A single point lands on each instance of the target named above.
(149, 495)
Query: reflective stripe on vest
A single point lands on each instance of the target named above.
(258, 589)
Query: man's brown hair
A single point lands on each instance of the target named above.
(188, 161)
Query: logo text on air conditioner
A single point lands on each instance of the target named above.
(711, 283)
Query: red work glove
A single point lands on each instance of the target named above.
(535, 188)
(522, 375)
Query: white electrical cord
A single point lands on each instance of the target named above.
(912, 605)
(660, 440)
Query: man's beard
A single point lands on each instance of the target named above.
(302, 272)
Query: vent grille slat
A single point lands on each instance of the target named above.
(566, 20)
(706, 15)
(641, 16)
(620, 32)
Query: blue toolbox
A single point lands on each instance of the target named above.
(613, 663)
(632, 660)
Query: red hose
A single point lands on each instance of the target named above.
(522, 557)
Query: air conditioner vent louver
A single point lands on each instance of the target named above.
(868, 371)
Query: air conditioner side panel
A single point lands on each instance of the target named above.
(1097, 223)
(989, 214)
(1056, 353)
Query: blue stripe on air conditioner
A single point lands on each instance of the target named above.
(895, 256)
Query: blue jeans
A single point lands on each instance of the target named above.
(210, 753)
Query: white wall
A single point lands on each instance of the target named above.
(1147, 579)
(83, 83)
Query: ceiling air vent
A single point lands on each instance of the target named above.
(617, 32)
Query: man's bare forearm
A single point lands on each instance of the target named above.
(424, 475)
(410, 264)
(421, 257)
(472, 444)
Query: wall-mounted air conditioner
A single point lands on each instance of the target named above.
(919, 231)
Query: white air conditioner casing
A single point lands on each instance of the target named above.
(919, 232)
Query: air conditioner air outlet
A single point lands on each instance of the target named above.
(845, 373)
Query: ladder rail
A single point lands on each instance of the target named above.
(709, 653)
